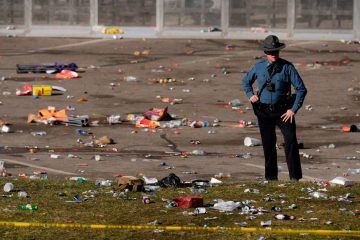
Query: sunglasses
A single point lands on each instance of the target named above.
(272, 53)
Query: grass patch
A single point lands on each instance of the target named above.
(102, 208)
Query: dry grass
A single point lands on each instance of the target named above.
(105, 209)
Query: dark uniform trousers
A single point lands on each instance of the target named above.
(269, 116)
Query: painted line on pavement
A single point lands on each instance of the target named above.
(72, 45)
(39, 167)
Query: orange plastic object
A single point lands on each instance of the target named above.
(346, 128)
(146, 123)
(46, 114)
(66, 74)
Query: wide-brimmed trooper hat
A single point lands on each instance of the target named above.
(271, 43)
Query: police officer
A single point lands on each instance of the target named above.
(274, 105)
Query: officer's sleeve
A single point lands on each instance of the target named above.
(299, 87)
(248, 81)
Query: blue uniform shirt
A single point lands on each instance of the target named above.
(283, 77)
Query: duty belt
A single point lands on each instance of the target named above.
(273, 107)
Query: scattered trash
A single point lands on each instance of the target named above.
(198, 152)
(4, 129)
(112, 31)
(27, 206)
(353, 171)
(200, 210)
(341, 181)
(170, 181)
(113, 119)
(351, 128)
(52, 116)
(8, 187)
(55, 156)
(199, 124)
(235, 103)
(22, 194)
(41, 90)
(266, 223)
(39, 133)
(66, 74)
(52, 68)
(284, 217)
(251, 190)
(305, 155)
(78, 179)
(189, 201)
(130, 183)
(226, 206)
(251, 142)
(319, 195)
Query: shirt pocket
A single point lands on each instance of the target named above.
(281, 82)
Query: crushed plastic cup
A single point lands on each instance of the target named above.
(251, 142)
(22, 194)
(5, 129)
(8, 187)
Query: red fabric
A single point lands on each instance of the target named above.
(189, 201)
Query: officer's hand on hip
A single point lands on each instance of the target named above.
(288, 115)
(254, 98)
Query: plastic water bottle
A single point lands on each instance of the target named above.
(78, 179)
(27, 207)
(130, 79)
(198, 152)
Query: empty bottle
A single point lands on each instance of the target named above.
(27, 207)
(130, 78)
(284, 217)
(198, 152)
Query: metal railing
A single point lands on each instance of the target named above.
(242, 19)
